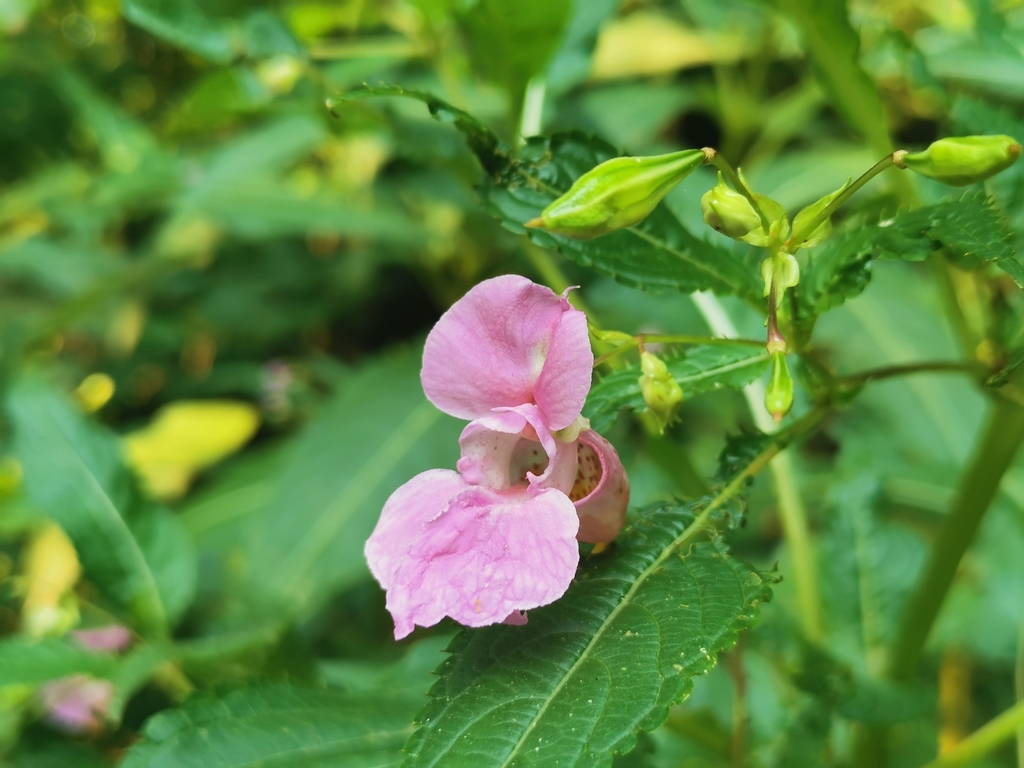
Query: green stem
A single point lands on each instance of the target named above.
(554, 278)
(891, 371)
(999, 442)
(727, 170)
(671, 338)
(791, 509)
(983, 740)
(798, 537)
(1018, 686)
(802, 234)
(781, 440)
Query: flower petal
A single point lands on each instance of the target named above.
(417, 502)
(567, 375)
(490, 349)
(488, 555)
(601, 492)
(512, 446)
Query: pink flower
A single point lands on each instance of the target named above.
(77, 704)
(498, 537)
(110, 638)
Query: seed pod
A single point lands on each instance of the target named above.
(778, 397)
(661, 391)
(962, 160)
(728, 212)
(616, 194)
(809, 214)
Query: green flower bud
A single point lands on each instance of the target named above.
(809, 214)
(728, 212)
(783, 268)
(616, 194)
(962, 160)
(661, 391)
(778, 397)
(778, 229)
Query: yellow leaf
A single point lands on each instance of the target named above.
(94, 392)
(51, 570)
(651, 44)
(186, 437)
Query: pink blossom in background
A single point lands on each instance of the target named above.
(497, 538)
(111, 638)
(77, 704)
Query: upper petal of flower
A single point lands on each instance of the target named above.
(486, 555)
(601, 491)
(566, 377)
(509, 342)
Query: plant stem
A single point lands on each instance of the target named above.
(669, 338)
(891, 371)
(734, 178)
(782, 439)
(1018, 686)
(787, 494)
(999, 442)
(983, 740)
(740, 716)
(798, 237)
(798, 537)
(554, 278)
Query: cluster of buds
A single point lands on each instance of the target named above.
(621, 192)
(661, 391)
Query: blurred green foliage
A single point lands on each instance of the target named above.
(182, 215)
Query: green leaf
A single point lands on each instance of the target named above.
(184, 23)
(1002, 377)
(510, 43)
(278, 725)
(833, 46)
(571, 63)
(375, 434)
(657, 255)
(576, 684)
(27, 661)
(975, 234)
(493, 155)
(971, 230)
(136, 553)
(700, 369)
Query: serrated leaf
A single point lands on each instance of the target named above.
(971, 230)
(701, 369)
(278, 725)
(1002, 377)
(659, 254)
(135, 552)
(493, 155)
(975, 233)
(576, 684)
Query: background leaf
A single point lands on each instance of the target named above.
(511, 43)
(135, 552)
(378, 431)
(274, 724)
